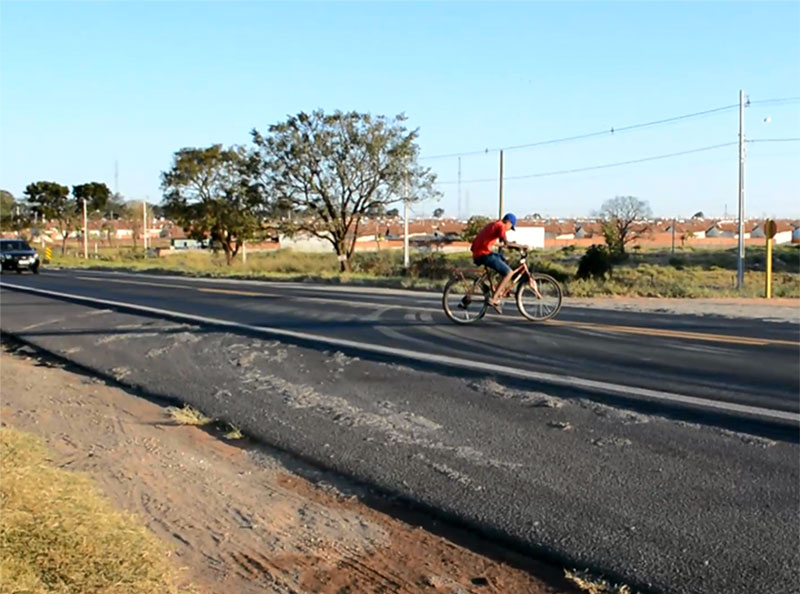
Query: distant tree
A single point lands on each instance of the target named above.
(474, 226)
(132, 213)
(619, 216)
(115, 208)
(698, 215)
(394, 212)
(329, 170)
(7, 207)
(438, 213)
(97, 196)
(52, 201)
(597, 263)
(208, 191)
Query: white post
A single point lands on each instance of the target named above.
(405, 222)
(144, 225)
(85, 232)
(740, 258)
(244, 252)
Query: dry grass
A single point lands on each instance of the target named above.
(58, 536)
(594, 585)
(188, 415)
(646, 273)
(233, 433)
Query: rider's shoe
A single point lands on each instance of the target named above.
(464, 302)
(498, 307)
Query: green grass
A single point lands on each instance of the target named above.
(58, 536)
(690, 272)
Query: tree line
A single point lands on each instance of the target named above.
(315, 173)
(63, 206)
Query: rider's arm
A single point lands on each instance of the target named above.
(513, 246)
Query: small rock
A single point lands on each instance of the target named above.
(563, 425)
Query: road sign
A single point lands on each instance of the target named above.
(770, 229)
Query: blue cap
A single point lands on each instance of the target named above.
(511, 219)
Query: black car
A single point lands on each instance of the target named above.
(16, 254)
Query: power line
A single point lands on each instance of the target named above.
(607, 132)
(612, 130)
(776, 101)
(595, 167)
(774, 140)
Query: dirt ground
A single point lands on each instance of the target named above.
(776, 310)
(242, 519)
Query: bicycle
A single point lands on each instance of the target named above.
(466, 296)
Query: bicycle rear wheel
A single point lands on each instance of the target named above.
(541, 304)
(465, 300)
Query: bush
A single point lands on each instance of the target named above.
(677, 262)
(384, 263)
(596, 263)
(432, 266)
(558, 272)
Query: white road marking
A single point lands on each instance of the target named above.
(444, 360)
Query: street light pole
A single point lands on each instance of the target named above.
(405, 221)
(740, 257)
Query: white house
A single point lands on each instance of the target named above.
(530, 236)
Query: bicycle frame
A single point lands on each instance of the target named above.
(517, 273)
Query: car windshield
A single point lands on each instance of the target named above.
(13, 246)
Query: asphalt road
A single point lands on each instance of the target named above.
(746, 362)
(661, 503)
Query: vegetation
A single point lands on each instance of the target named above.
(211, 194)
(596, 263)
(325, 172)
(620, 214)
(474, 226)
(57, 535)
(649, 273)
(14, 214)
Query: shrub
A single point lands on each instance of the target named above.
(596, 263)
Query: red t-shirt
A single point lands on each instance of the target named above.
(484, 241)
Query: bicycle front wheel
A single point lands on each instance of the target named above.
(540, 300)
(465, 300)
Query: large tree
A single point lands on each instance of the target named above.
(208, 192)
(332, 170)
(52, 201)
(622, 221)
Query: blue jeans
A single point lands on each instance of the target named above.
(494, 261)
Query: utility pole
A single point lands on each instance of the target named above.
(144, 225)
(405, 221)
(500, 216)
(740, 257)
(459, 189)
(85, 232)
(673, 237)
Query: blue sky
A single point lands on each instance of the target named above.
(83, 85)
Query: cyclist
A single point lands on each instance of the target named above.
(483, 255)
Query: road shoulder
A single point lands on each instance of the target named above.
(241, 519)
